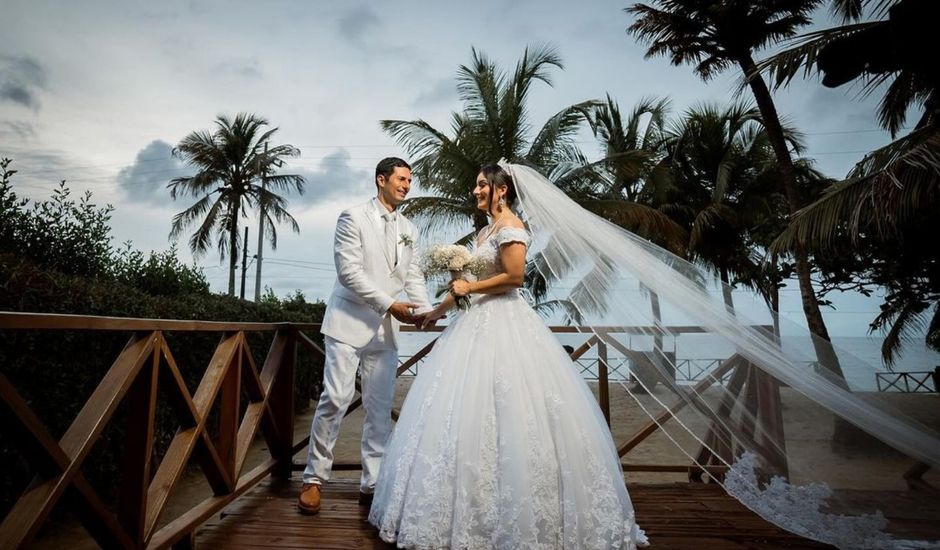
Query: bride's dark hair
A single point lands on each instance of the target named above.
(495, 176)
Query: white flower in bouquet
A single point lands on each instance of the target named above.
(456, 260)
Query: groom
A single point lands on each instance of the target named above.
(375, 263)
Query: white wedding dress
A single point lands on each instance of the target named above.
(500, 443)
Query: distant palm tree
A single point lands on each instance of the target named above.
(230, 164)
(493, 124)
(632, 148)
(725, 188)
(715, 36)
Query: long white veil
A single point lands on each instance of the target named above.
(781, 422)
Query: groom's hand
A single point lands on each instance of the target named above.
(403, 312)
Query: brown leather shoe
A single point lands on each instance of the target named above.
(365, 499)
(309, 500)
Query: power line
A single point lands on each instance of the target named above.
(841, 152)
(286, 264)
(376, 145)
(328, 264)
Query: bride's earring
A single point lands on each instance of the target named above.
(502, 202)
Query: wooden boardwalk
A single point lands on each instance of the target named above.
(679, 516)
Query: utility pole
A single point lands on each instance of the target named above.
(244, 261)
(264, 183)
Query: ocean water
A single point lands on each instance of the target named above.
(860, 357)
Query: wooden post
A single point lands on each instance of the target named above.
(282, 403)
(229, 409)
(771, 420)
(138, 447)
(603, 390)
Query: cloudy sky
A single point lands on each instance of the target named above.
(98, 93)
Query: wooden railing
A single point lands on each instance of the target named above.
(145, 370)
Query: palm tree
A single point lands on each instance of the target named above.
(494, 124)
(230, 164)
(632, 148)
(889, 198)
(725, 189)
(715, 36)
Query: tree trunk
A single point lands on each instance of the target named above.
(726, 290)
(814, 319)
(232, 250)
(774, 297)
(647, 375)
(844, 433)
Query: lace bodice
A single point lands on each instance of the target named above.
(488, 248)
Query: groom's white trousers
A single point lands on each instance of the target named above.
(378, 361)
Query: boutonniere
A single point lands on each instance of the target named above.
(405, 240)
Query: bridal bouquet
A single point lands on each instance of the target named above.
(456, 260)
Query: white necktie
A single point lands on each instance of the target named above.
(391, 239)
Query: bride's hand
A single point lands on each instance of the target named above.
(459, 287)
(431, 318)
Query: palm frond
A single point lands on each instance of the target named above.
(645, 221)
(888, 187)
(933, 330)
(478, 87)
(417, 136)
(848, 10)
(435, 213)
(558, 129)
(199, 241)
(286, 182)
(715, 214)
(567, 307)
(591, 292)
(185, 218)
(803, 54)
(907, 325)
(905, 90)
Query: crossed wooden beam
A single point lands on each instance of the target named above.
(144, 368)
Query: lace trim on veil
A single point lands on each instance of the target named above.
(801, 510)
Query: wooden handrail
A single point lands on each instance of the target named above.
(62, 321)
(16, 320)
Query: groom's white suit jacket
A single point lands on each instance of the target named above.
(367, 282)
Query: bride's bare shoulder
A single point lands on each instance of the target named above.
(515, 223)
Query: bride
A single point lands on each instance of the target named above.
(500, 443)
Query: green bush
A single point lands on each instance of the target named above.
(56, 257)
(159, 274)
(69, 236)
(56, 371)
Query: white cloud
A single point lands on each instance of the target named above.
(146, 180)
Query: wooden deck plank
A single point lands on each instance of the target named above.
(675, 516)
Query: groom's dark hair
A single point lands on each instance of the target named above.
(386, 167)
